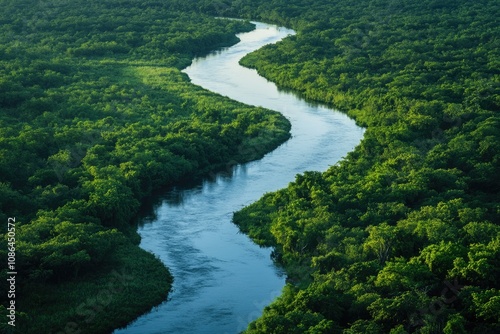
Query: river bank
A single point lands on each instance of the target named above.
(222, 280)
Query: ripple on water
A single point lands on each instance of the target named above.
(222, 280)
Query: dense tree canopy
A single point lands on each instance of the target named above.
(95, 115)
(402, 236)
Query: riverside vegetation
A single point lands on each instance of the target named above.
(402, 236)
(95, 116)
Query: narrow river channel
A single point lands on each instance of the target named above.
(222, 280)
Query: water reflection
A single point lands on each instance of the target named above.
(222, 280)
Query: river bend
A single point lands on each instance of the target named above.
(222, 280)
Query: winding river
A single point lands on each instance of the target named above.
(222, 280)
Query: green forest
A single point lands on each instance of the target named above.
(401, 236)
(95, 116)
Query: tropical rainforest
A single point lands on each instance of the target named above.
(401, 236)
(95, 116)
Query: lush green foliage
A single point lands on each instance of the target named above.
(95, 115)
(402, 236)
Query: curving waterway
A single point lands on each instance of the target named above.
(222, 280)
